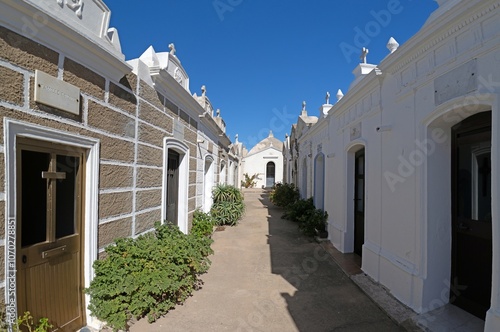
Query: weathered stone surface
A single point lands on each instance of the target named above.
(192, 191)
(151, 95)
(151, 135)
(112, 176)
(130, 81)
(108, 232)
(12, 114)
(114, 204)
(192, 204)
(156, 117)
(149, 156)
(122, 98)
(192, 177)
(11, 89)
(2, 217)
(148, 199)
(192, 163)
(88, 81)
(149, 177)
(2, 173)
(116, 149)
(104, 118)
(26, 53)
(146, 221)
(112, 149)
(2, 262)
(190, 136)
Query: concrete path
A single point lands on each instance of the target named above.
(267, 276)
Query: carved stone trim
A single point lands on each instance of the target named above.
(458, 27)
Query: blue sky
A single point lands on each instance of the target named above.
(260, 59)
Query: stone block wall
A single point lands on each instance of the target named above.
(130, 119)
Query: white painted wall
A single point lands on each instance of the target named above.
(256, 164)
(407, 194)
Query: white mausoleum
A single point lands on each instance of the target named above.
(407, 164)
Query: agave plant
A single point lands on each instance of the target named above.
(228, 205)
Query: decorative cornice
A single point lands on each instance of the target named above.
(411, 50)
(95, 47)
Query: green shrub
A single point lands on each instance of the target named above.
(147, 276)
(284, 194)
(298, 209)
(309, 218)
(313, 221)
(203, 224)
(228, 206)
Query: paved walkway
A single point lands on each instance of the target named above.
(267, 276)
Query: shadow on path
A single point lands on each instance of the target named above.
(266, 276)
(325, 299)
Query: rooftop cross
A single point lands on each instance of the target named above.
(364, 53)
(327, 97)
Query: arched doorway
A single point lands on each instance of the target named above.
(471, 262)
(175, 183)
(359, 201)
(208, 183)
(270, 174)
(319, 182)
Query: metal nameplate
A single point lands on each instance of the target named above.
(56, 93)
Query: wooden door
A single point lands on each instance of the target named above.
(471, 215)
(49, 232)
(173, 186)
(359, 201)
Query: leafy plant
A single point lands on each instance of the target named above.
(203, 224)
(298, 209)
(313, 221)
(284, 194)
(147, 276)
(27, 321)
(249, 181)
(228, 206)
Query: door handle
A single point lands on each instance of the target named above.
(463, 227)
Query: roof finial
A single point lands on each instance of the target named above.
(171, 46)
(327, 97)
(340, 94)
(203, 90)
(271, 133)
(392, 45)
(364, 53)
(218, 112)
(304, 105)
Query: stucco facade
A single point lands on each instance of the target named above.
(265, 160)
(393, 143)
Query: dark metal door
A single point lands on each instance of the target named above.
(359, 201)
(471, 215)
(49, 239)
(173, 186)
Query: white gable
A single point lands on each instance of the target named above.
(78, 29)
